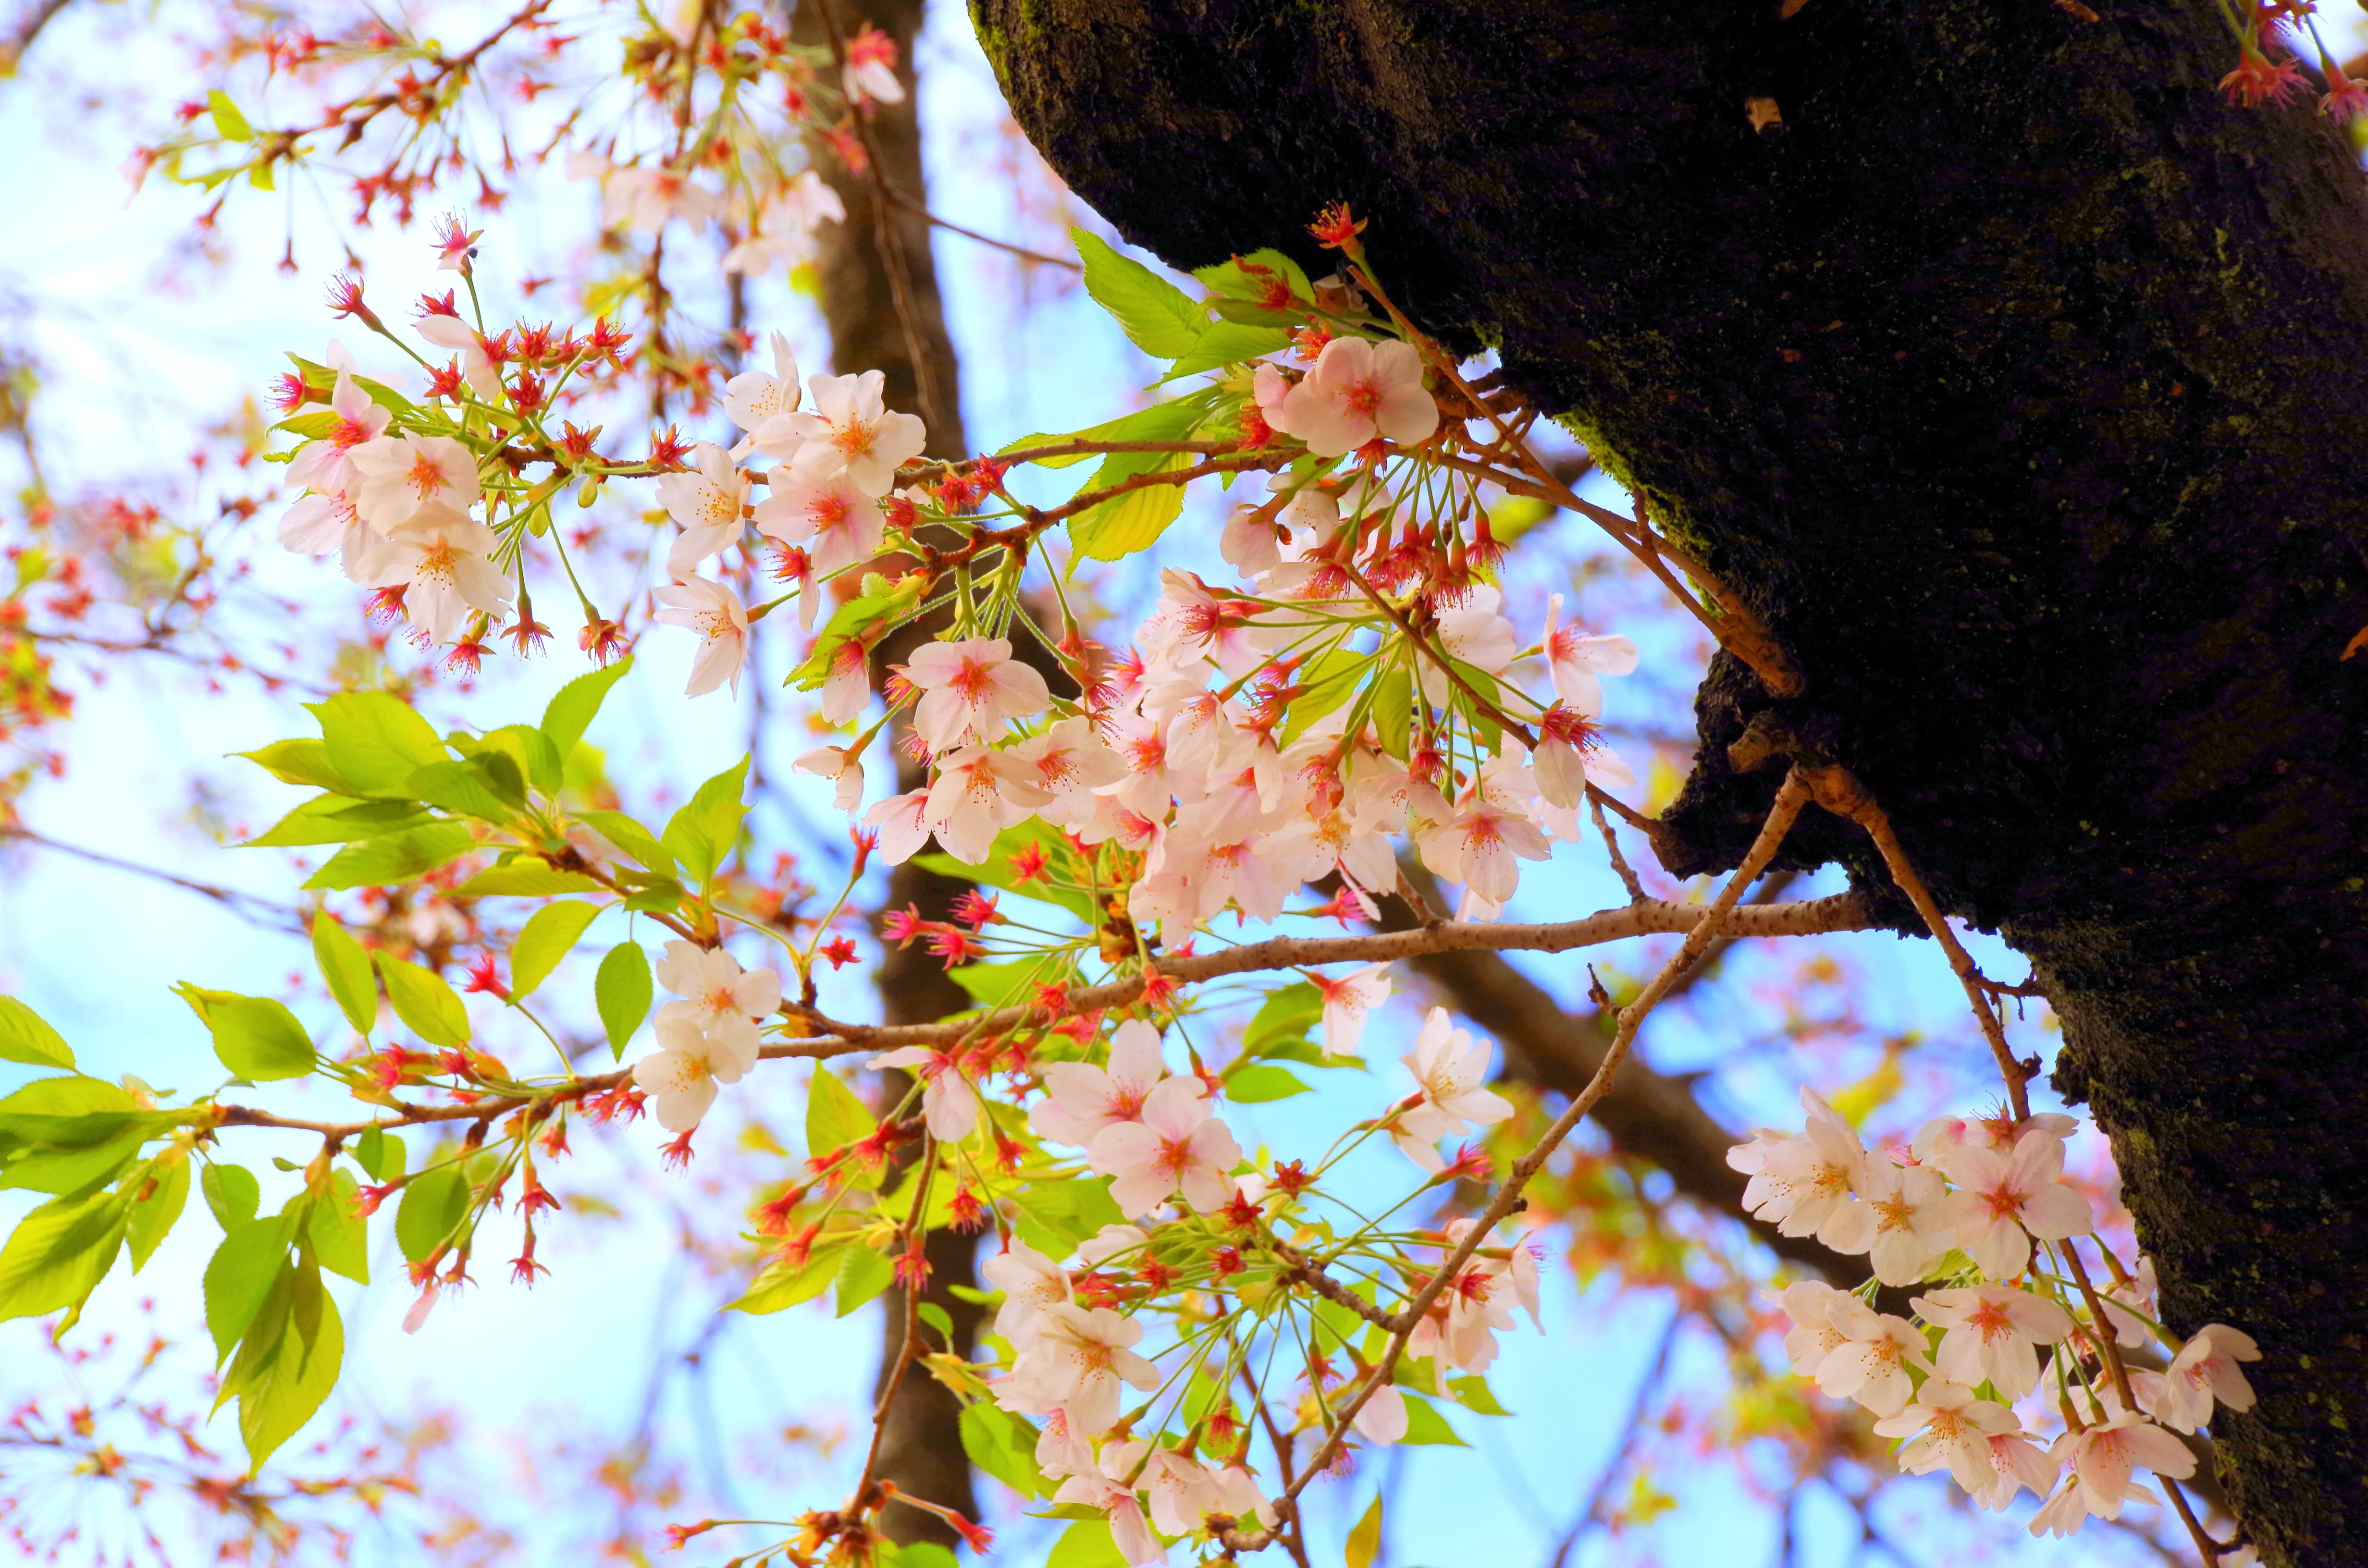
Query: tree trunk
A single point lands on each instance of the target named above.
(2016, 381)
(873, 329)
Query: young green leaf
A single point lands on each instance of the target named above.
(487, 787)
(702, 835)
(231, 1192)
(156, 1202)
(229, 124)
(381, 1153)
(632, 839)
(1260, 1082)
(863, 1274)
(434, 1205)
(334, 1224)
(60, 1251)
(834, 1118)
(244, 1268)
(280, 1390)
(622, 991)
(779, 1286)
(989, 1437)
(1156, 316)
(1365, 1537)
(1087, 1544)
(547, 937)
(338, 819)
(298, 762)
(256, 1037)
(1229, 342)
(526, 876)
(427, 1006)
(347, 969)
(571, 713)
(26, 1036)
(375, 741)
(394, 858)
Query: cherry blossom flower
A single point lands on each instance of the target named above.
(870, 71)
(2016, 1463)
(1080, 1100)
(2130, 1307)
(971, 686)
(752, 397)
(1948, 1428)
(903, 821)
(440, 557)
(682, 1075)
(977, 794)
(1030, 1283)
(1238, 1494)
(1181, 1490)
(722, 621)
(1482, 846)
(705, 501)
(2203, 1371)
(2103, 1457)
(783, 236)
(851, 432)
(644, 198)
(1346, 1001)
(1070, 764)
(1872, 1365)
(316, 525)
(1991, 1334)
(326, 465)
(2003, 1200)
(1060, 1449)
(1899, 1222)
(1571, 756)
(1382, 1419)
(844, 525)
(446, 330)
(1937, 1142)
(1574, 659)
(1249, 543)
(842, 767)
(1130, 1531)
(1358, 390)
(949, 1102)
(401, 477)
(1449, 1065)
(1176, 1143)
(1078, 1361)
(847, 687)
(719, 998)
(1812, 1337)
(1800, 1183)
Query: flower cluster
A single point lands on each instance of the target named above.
(1977, 1212)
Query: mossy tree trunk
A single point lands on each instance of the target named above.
(2020, 384)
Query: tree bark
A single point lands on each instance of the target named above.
(2016, 381)
(871, 328)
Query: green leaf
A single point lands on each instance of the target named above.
(526, 876)
(632, 839)
(347, 969)
(1393, 712)
(1331, 679)
(1170, 421)
(1239, 278)
(1125, 524)
(834, 1118)
(622, 990)
(247, 1265)
(1260, 1082)
(256, 1037)
(702, 835)
(338, 819)
(232, 1193)
(1425, 1426)
(989, 1437)
(26, 1036)
(1230, 343)
(527, 747)
(375, 741)
(572, 710)
(1286, 1014)
(60, 1251)
(1086, 1544)
(155, 1209)
(427, 1006)
(937, 1317)
(1001, 869)
(297, 762)
(281, 1392)
(1156, 316)
(862, 1275)
(339, 1235)
(1474, 1394)
(880, 601)
(916, 1554)
(1365, 1539)
(434, 1205)
(394, 858)
(487, 787)
(73, 1169)
(549, 935)
(996, 984)
(229, 124)
(381, 1153)
(776, 1287)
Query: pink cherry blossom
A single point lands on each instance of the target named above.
(1070, 764)
(1078, 1362)
(1574, 659)
(2016, 1464)
(1346, 1001)
(2105, 1454)
(903, 821)
(2003, 1200)
(949, 1102)
(1809, 1303)
(1358, 390)
(1992, 1332)
(704, 501)
(1804, 1183)
(1483, 847)
(842, 767)
(2206, 1370)
(844, 526)
(715, 613)
(1080, 1100)
(682, 1075)
(326, 465)
(1449, 1066)
(1181, 1489)
(1030, 1282)
(439, 558)
(1130, 1531)
(1898, 1222)
(846, 689)
(851, 432)
(1382, 1419)
(977, 794)
(752, 397)
(1949, 1428)
(971, 686)
(719, 997)
(1871, 1365)
(402, 476)
(1176, 1145)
